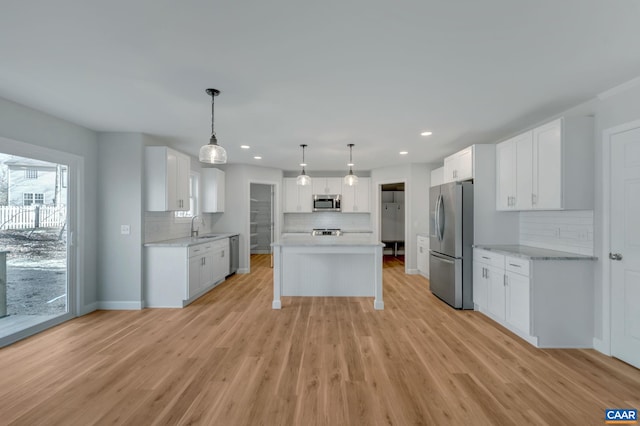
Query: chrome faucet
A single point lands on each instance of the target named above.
(194, 232)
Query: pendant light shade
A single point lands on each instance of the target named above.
(350, 179)
(212, 153)
(303, 178)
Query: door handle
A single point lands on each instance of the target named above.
(615, 256)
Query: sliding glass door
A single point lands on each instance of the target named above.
(34, 255)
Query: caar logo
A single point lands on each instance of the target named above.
(618, 416)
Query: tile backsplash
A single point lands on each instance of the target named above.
(160, 226)
(305, 222)
(569, 230)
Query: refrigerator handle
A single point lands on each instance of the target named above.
(440, 225)
(436, 210)
(442, 259)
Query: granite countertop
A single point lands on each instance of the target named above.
(188, 241)
(324, 240)
(534, 253)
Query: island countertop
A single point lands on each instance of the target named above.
(327, 241)
(533, 253)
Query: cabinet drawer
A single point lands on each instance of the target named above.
(220, 244)
(488, 257)
(200, 249)
(423, 241)
(517, 265)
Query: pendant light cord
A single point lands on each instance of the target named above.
(213, 133)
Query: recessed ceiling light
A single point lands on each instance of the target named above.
(245, 146)
(303, 164)
(350, 164)
(404, 152)
(427, 133)
(257, 157)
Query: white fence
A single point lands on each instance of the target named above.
(35, 216)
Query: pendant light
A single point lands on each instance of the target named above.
(303, 179)
(350, 179)
(212, 153)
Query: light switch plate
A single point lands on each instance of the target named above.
(125, 229)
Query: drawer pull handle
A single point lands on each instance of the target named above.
(517, 266)
(485, 257)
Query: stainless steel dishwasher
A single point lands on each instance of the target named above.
(234, 254)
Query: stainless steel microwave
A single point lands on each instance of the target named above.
(326, 203)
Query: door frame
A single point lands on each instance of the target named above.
(377, 226)
(604, 344)
(277, 215)
(75, 222)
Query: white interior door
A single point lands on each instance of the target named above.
(625, 246)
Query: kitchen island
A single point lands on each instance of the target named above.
(325, 266)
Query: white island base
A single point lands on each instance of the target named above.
(327, 266)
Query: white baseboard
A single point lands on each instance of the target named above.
(87, 309)
(412, 272)
(600, 346)
(108, 305)
(242, 271)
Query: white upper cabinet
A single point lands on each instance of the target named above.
(514, 164)
(356, 198)
(326, 186)
(459, 166)
(166, 179)
(547, 168)
(213, 183)
(297, 198)
(437, 176)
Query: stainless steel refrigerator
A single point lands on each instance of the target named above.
(451, 241)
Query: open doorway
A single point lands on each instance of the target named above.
(261, 223)
(392, 219)
(34, 284)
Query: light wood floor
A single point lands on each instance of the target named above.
(228, 359)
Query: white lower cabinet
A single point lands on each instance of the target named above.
(546, 302)
(423, 256)
(177, 275)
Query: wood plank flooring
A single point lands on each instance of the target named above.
(229, 359)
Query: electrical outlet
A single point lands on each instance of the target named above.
(125, 229)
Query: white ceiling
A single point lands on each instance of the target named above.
(326, 73)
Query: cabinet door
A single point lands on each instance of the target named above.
(195, 267)
(207, 273)
(305, 199)
(449, 169)
(464, 166)
(479, 285)
(524, 171)
(172, 181)
(423, 255)
(182, 182)
(506, 154)
(355, 199)
(213, 190)
(547, 166)
(290, 196)
(495, 291)
(517, 301)
(319, 186)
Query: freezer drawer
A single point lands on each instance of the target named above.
(445, 275)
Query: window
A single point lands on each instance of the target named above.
(194, 180)
(31, 174)
(29, 198)
(63, 178)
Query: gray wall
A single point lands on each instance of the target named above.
(27, 125)
(120, 183)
